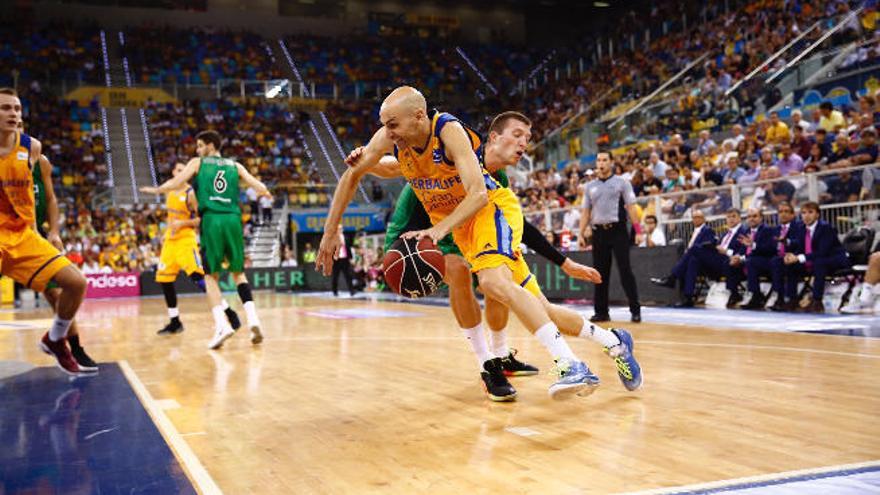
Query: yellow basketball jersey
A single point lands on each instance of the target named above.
(432, 175)
(17, 207)
(178, 209)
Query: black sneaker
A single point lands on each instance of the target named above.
(515, 367)
(232, 316)
(174, 326)
(86, 364)
(497, 387)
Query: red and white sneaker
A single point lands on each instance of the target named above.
(60, 352)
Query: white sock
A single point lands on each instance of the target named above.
(59, 329)
(173, 312)
(549, 335)
(250, 310)
(220, 320)
(224, 304)
(595, 332)
(477, 338)
(498, 341)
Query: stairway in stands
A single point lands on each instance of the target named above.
(264, 246)
(129, 157)
(322, 145)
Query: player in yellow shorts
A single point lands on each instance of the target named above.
(46, 212)
(437, 156)
(180, 251)
(509, 135)
(25, 256)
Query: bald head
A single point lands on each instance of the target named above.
(405, 98)
(698, 217)
(754, 217)
(404, 116)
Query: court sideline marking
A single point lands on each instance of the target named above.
(194, 469)
(763, 480)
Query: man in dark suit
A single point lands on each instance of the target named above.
(761, 247)
(789, 239)
(822, 255)
(706, 255)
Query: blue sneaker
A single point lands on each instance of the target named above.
(575, 378)
(628, 368)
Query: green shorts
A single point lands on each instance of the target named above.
(410, 215)
(222, 240)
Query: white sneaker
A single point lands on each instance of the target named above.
(220, 336)
(853, 307)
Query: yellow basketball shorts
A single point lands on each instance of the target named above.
(29, 259)
(491, 238)
(176, 256)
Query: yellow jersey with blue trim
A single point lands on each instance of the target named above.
(433, 176)
(17, 205)
(177, 208)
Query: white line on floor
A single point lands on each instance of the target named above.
(757, 479)
(191, 464)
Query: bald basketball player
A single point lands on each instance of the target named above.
(509, 135)
(436, 154)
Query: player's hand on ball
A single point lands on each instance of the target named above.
(434, 233)
(149, 190)
(327, 251)
(355, 155)
(581, 272)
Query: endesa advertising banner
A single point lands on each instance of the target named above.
(113, 285)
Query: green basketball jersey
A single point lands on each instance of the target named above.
(40, 204)
(501, 176)
(217, 186)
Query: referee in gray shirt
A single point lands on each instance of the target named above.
(606, 201)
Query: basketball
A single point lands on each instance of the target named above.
(414, 268)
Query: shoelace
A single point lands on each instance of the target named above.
(619, 360)
(560, 370)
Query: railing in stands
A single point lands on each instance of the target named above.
(673, 210)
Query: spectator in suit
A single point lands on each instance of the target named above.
(821, 255)
(789, 240)
(762, 248)
(706, 255)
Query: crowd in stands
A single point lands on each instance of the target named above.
(49, 53)
(782, 149)
(196, 56)
(259, 132)
(260, 135)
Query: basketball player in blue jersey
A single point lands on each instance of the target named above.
(436, 154)
(509, 135)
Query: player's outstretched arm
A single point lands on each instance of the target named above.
(459, 150)
(54, 234)
(175, 183)
(361, 162)
(536, 241)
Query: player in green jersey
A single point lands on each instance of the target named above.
(222, 238)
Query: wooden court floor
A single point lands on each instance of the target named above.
(361, 396)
